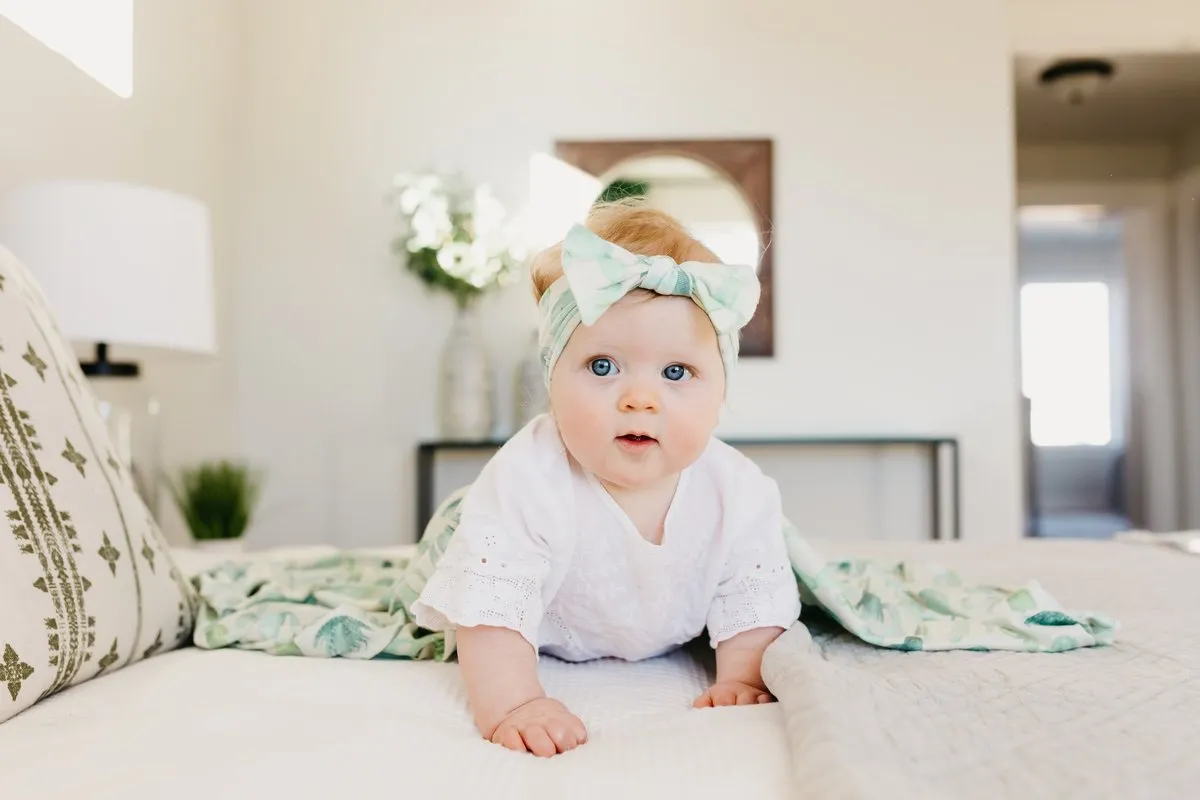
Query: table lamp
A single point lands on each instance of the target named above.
(121, 265)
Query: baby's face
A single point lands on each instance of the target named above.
(638, 394)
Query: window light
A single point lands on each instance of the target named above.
(1066, 365)
(94, 35)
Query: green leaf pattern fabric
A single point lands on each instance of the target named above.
(355, 605)
(911, 606)
(347, 605)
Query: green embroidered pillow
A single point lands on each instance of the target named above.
(87, 583)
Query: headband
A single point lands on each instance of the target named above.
(598, 273)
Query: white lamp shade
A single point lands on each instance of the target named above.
(120, 264)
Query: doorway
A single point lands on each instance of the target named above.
(1075, 376)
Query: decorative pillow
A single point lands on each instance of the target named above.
(87, 583)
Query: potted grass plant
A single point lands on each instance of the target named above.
(217, 500)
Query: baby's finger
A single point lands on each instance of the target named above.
(538, 741)
(704, 701)
(765, 698)
(509, 737)
(747, 697)
(575, 730)
(723, 697)
(563, 736)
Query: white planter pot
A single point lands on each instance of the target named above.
(220, 547)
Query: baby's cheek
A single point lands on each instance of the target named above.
(573, 427)
(578, 424)
(691, 433)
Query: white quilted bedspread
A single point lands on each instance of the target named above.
(232, 725)
(855, 722)
(1122, 721)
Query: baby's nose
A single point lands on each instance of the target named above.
(639, 397)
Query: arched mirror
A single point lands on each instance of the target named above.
(719, 189)
(705, 200)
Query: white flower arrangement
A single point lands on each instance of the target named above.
(455, 238)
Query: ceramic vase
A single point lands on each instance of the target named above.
(465, 384)
(530, 397)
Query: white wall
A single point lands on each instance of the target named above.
(894, 261)
(56, 122)
(1187, 296)
(1055, 27)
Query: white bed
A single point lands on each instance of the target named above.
(1120, 721)
(864, 723)
(232, 724)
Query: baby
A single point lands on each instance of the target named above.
(616, 525)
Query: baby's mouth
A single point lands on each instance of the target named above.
(637, 438)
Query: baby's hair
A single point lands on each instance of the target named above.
(629, 224)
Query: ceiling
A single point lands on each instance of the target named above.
(1151, 98)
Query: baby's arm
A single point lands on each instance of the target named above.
(739, 670)
(757, 598)
(510, 706)
(502, 564)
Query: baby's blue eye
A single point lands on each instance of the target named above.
(676, 372)
(601, 366)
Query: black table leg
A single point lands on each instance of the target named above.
(935, 489)
(424, 488)
(957, 490)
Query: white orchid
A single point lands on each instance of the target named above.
(454, 258)
(456, 238)
(487, 213)
(430, 225)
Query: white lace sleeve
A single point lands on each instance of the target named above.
(758, 588)
(499, 569)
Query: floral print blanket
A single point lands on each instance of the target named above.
(355, 605)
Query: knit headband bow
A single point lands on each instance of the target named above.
(598, 273)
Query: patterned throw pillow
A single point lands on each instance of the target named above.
(87, 583)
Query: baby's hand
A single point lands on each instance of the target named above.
(732, 693)
(542, 726)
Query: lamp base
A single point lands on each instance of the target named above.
(108, 369)
(131, 417)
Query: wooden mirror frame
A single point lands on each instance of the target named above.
(746, 163)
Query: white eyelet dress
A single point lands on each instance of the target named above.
(544, 550)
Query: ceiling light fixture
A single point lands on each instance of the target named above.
(1075, 80)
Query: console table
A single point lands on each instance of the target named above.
(934, 446)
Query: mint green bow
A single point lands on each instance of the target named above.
(598, 273)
